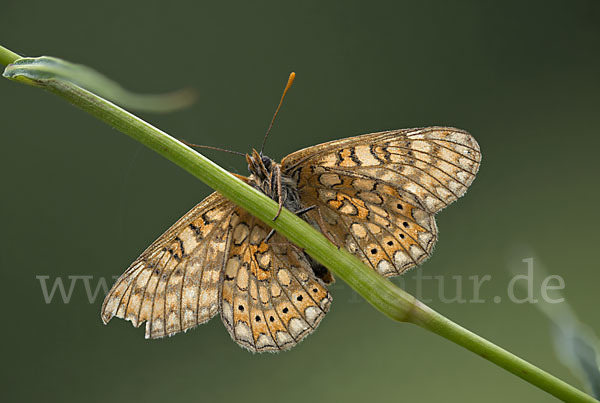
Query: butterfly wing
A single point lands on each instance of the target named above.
(270, 298)
(376, 194)
(174, 285)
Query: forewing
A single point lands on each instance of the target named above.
(270, 298)
(376, 194)
(436, 164)
(174, 285)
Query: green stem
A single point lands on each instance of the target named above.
(427, 318)
(379, 292)
(7, 56)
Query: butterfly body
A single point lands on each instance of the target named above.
(266, 176)
(374, 194)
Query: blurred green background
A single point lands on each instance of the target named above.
(79, 198)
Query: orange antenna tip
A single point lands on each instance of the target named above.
(287, 87)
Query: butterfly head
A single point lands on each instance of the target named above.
(260, 166)
(266, 176)
(267, 162)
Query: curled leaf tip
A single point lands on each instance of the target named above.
(38, 70)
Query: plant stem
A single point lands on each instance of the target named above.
(379, 292)
(427, 318)
(7, 56)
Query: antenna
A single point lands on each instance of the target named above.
(287, 87)
(210, 148)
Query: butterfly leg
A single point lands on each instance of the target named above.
(299, 212)
(305, 210)
(279, 196)
(269, 236)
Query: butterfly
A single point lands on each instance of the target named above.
(375, 195)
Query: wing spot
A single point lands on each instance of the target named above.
(299, 298)
(257, 318)
(390, 243)
(272, 319)
(405, 224)
(330, 179)
(401, 236)
(285, 310)
(374, 251)
(241, 308)
(195, 229)
(399, 206)
(315, 290)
